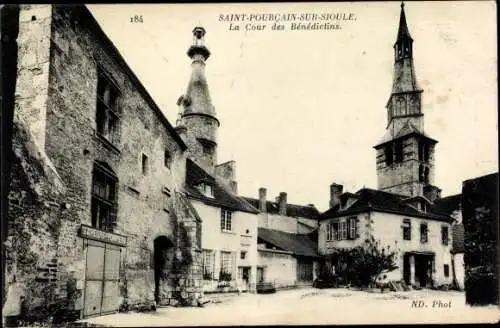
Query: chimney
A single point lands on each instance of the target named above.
(282, 203)
(262, 199)
(335, 192)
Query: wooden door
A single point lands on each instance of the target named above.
(101, 279)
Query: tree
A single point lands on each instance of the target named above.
(361, 266)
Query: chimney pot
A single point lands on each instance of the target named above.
(262, 199)
(282, 203)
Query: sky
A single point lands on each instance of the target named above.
(300, 110)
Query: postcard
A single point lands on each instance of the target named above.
(250, 164)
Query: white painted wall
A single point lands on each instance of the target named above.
(286, 223)
(386, 228)
(459, 268)
(279, 267)
(213, 238)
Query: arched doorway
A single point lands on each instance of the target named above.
(161, 246)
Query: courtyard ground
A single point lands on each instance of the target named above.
(315, 306)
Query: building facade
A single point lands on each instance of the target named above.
(96, 204)
(401, 214)
(421, 239)
(287, 241)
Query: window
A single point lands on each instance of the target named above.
(446, 270)
(342, 229)
(423, 206)
(145, 166)
(406, 229)
(243, 255)
(208, 149)
(107, 119)
(426, 153)
(388, 155)
(225, 220)
(206, 189)
(426, 175)
(420, 151)
(226, 262)
(423, 233)
(208, 264)
(421, 174)
(103, 205)
(444, 235)
(353, 227)
(167, 159)
(399, 151)
(330, 232)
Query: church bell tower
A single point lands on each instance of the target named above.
(197, 122)
(405, 155)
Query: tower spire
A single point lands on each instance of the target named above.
(403, 32)
(405, 154)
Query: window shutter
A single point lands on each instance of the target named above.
(348, 224)
(234, 272)
(356, 232)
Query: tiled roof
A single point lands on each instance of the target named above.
(302, 211)
(447, 205)
(457, 235)
(407, 129)
(381, 201)
(223, 195)
(298, 244)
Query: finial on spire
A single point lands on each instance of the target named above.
(198, 46)
(402, 4)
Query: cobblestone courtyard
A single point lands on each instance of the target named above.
(315, 306)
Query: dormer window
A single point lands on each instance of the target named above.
(206, 189)
(423, 206)
(208, 145)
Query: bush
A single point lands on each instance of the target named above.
(360, 266)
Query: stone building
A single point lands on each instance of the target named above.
(228, 221)
(97, 215)
(401, 214)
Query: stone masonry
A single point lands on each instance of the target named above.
(62, 50)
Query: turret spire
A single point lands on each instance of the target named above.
(196, 112)
(403, 44)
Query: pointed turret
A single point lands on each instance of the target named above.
(403, 32)
(197, 119)
(197, 97)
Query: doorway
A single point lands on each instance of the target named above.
(423, 269)
(260, 275)
(423, 266)
(161, 247)
(102, 275)
(244, 276)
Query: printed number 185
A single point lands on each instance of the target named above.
(136, 19)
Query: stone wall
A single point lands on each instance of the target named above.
(403, 178)
(57, 147)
